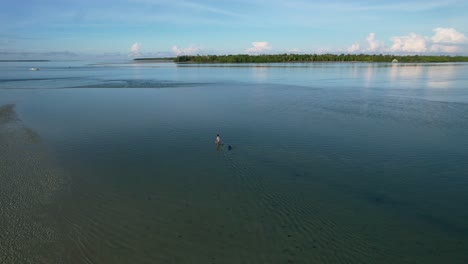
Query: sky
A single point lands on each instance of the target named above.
(160, 28)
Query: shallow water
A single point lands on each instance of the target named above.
(330, 162)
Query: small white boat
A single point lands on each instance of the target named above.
(34, 69)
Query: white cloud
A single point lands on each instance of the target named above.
(444, 40)
(135, 50)
(412, 43)
(293, 50)
(444, 48)
(448, 36)
(371, 45)
(259, 47)
(447, 40)
(374, 45)
(354, 48)
(191, 50)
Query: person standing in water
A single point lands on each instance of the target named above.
(218, 140)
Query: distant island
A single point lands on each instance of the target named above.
(284, 58)
(24, 60)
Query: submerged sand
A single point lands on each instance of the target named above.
(29, 182)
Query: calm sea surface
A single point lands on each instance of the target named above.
(330, 163)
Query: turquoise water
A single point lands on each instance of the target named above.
(330, 163)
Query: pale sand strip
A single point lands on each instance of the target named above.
(29, 182)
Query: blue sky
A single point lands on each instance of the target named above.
(135, 28)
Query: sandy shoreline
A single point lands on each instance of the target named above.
(29, 180)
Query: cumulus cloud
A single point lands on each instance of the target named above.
(448, 36)
(437, 48)
(448, 40)
(191, 50)
(374, 45)
(293, 50)
(354, 48)
(259, 47)
(412, 43)
(444, 40)
(135, 50)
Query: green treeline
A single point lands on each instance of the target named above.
(244, 58)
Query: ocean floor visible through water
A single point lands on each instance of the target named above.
(329, 163)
